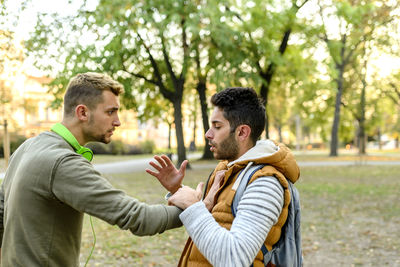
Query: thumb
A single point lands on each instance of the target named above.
(199, 188)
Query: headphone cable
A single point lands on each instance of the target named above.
(94, 241)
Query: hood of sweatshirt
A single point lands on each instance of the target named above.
(271, 153)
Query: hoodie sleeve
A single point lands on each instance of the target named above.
(76, 183)
(258, 210)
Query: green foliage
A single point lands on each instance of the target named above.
(147, 146)
(226, 43)
(349, 28)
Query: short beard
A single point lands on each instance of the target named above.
(96, 138)
(228, 149)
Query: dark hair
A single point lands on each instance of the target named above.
(242, 106)
(87, 88)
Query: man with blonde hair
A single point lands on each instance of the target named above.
(50, 183)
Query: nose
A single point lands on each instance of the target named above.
(117, 122)
(209, 134)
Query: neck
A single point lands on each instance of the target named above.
(243, 148)
(75, 129)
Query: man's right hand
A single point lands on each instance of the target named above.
(186, 196)
(167, 174)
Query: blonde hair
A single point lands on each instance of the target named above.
(87, 89)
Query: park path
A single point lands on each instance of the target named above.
(139, 165)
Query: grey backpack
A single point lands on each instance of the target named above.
(287, 251)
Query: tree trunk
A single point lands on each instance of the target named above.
(298, 132)
(361, 132)
(267, 76)
(169, 135)
(379, 139)
(179, 130)
(201, 89)
(264, 95)
(6, 144)
(336, 120)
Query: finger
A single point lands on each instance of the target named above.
(219, 176)
(182, 169)
(166, 159)
(199, 188)
(155, 165)
(160, 160)
(171, 200)
(155, 174)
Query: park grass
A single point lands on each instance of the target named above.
(350, 217)
(120, 248)
(100, 158)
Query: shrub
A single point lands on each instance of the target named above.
(147, 146)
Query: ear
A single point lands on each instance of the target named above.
(82, 112)
(243, 132)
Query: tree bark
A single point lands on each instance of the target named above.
(264, 96)
(336, 120)
(379, 139)
(361, 132)
(169, 135)
(267, 77)
(201, 90)
(179, 130)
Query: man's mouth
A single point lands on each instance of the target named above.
(212, 147)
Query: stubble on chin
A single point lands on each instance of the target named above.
(230, 148)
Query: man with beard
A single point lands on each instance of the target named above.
(50, 183)
(217, 236)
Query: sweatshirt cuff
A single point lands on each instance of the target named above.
(173, 217)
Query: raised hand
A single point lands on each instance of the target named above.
(170, 177)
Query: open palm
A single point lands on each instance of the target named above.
(167, 174)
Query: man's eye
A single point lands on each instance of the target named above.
(110, 112)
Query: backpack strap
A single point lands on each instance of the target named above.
(241, 183)
(240, 186)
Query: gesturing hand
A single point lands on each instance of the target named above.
(167, 174)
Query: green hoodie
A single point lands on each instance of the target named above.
(45, 193)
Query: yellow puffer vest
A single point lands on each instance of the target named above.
(284, 167)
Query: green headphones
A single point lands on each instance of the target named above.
(62, 131)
